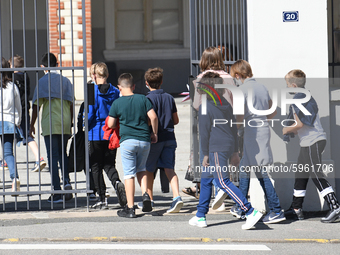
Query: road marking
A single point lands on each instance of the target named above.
(207, 247)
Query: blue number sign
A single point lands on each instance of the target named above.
(290, 16)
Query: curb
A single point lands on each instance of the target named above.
(179, 240)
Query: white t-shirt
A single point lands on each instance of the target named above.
(11, 104)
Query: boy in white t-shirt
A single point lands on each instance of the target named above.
(312, 144)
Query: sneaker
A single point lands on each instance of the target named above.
(127, 212)
(15, 185)
(237, 212)
(3, 165)
(175, 206)
(68, 196)
(100, 205)
(221, 208)
(252, 219)
(146, 203)
(221, 195)
(121, 195)
(199, 222)
(57, 199)
(93, 197)
(331, 216)
(140, 205)
(295, 212)
(40, 163)
(273, 217)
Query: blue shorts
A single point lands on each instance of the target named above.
(162, 155)
(134, 154)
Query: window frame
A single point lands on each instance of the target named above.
(148, 49)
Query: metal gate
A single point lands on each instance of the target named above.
(218, 23)
(25, 29)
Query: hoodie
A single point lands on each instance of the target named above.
(104, 96)
(221, 137)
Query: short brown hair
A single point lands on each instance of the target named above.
(297, 77)
(212, 60)
(17, 62)
(242, 68)
(210, 79)
(101, 70)
(125, 80)
(154, 77)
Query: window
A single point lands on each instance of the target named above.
(146, 29)
(148, 21)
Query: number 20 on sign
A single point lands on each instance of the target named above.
(290, 16)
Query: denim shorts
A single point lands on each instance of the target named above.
(162, 155)
(134, 154)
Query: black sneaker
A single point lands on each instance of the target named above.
(121, 195)
(127, 212)
(331, 216)
(57, 199)
(68, 196)
(100, 205)
(147, 207)
(294, 213)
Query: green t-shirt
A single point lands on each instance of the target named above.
(55, 116)
(133, 119)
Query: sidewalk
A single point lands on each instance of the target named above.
(30, 181)
(72, 221)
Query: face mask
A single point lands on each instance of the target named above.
(238, 82)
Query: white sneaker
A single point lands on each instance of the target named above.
(199, 222)
(252, 219)
(221, 208)
(221, 195)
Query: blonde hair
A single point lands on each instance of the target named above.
(101, 70)
(242, 68)
(212, 60)
(92, 69)
(297, 77)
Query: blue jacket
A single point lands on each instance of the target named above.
(100, 110)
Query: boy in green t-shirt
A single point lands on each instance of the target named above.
(133, 112)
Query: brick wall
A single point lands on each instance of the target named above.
(60, 35)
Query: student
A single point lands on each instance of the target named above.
(162, 153)
(101, 157)
(50, 97)
(211, 61)
(23, 83)
(256, 144)
(312, 144)
(132, 111)
(10, 118)
(219, 143)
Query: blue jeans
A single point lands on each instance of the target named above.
(8, 155)
(57, 153)
(266, 184)
(222, 182)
